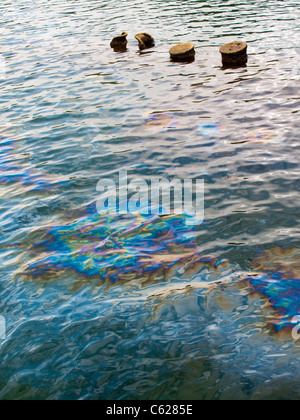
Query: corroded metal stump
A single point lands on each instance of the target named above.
(183, 52)
(145, 41)
(234, 54)
(119, 43)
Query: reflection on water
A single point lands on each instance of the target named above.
(14, 170)
(148, 307)
(286, 262)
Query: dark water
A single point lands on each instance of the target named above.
(94, 306)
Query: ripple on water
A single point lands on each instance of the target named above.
(180, 325)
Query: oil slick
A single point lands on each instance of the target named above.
(210, 130)
(147, 249)
(161, 122)
(278, 281)
(164, 121)
(260, 136)
(118, 248)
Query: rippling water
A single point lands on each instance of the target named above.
(148, 307)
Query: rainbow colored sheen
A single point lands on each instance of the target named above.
(114, 248)
(279, 283)
(120, 248)
(163, 121)
(209, 130)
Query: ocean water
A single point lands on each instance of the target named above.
(135, 306)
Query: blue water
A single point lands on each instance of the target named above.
(136, 307)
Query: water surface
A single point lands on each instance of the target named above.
(147, 307)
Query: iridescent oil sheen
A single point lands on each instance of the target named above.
(279, 282)
(119, 248)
